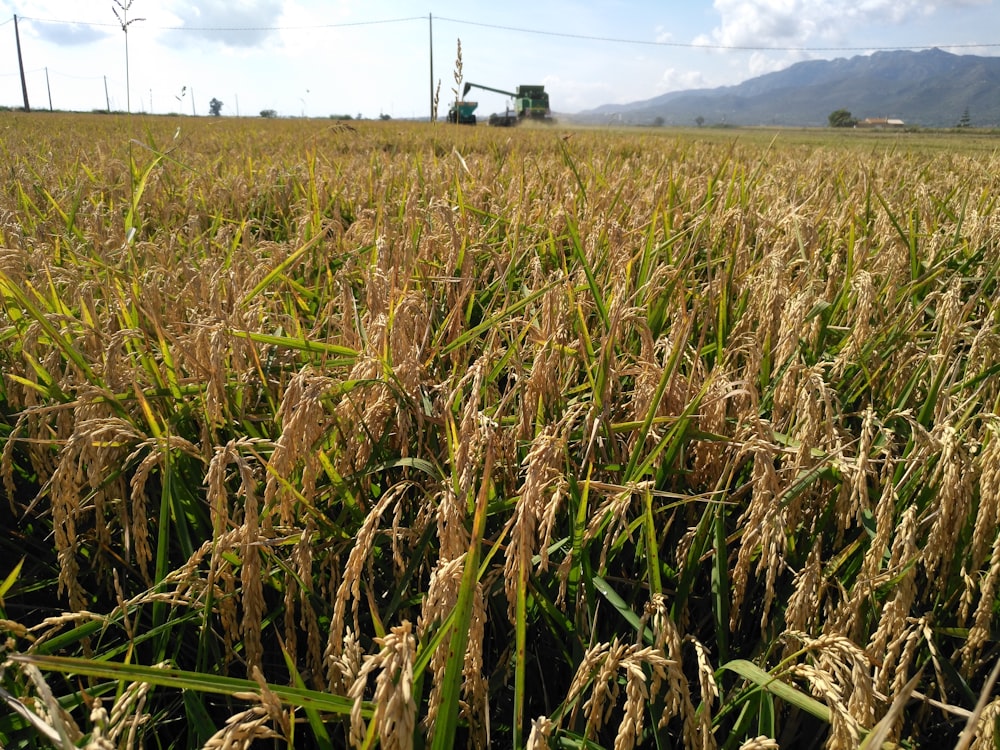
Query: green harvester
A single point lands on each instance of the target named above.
(531, 102)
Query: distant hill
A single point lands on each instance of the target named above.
(930, 88)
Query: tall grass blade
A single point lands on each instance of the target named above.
(788, 693)
(10, 580)
(184, 680)
(315, 719)
(447, 724)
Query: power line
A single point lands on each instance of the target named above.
(232, 28)
(524, 30)
(76, 77)
(694, 45)
(293, 28)
(69, 23)
(54, 72)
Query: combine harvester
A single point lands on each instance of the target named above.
(531, 103)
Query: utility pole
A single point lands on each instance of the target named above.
(237, 97)
(20, 64)
(107, 98)
(47, 87)
(193, 113)
(430, 29)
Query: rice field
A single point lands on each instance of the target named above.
(320, 434)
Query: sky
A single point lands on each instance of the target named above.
(317, 58)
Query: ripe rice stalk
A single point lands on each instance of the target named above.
(394, 717)
(350, 586)
(980, 729)
(771, 358)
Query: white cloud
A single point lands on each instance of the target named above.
(800, 23)
(778, 31)
(574, 94)
(681, 80)
(762, 63)
(216, 20)
(68, 34)
(662, 35)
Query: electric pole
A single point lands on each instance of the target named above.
(20, 65)
(430, 29)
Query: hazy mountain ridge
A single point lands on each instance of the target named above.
(930, 88)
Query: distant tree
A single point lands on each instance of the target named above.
(268, 113)
(658, 122)
(384, 116)
(841, 118)
(965, 121)
(215, 107)
(699, 120)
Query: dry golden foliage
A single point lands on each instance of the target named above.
(291, 374)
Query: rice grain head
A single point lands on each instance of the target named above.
(761, 742)
(636, 700)
(764, 524)
(350, 584)
(804, 604)
(251, 585)
(893, 621)
(981, 590)
(440, 600)
(668, 640)
(706, 682)
(844, 730)
(395, 708)
(304, 420)
(986, 736)
(302, 558)
(98, 733)
(538, 502)
(848, 673)
(541, 733)
(604, 692)
(954, 477)
(242, 730)
(982, 618)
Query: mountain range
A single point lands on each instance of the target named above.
(929, 88)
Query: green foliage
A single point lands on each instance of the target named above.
(841, 118)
